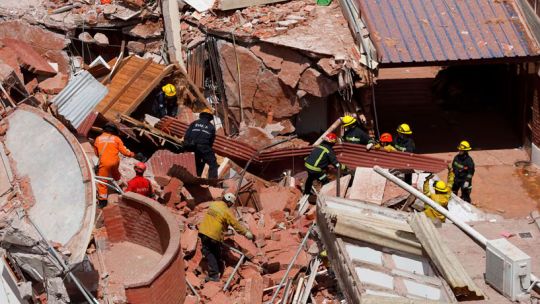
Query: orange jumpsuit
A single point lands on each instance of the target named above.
(108, 146)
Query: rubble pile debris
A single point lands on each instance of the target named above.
(158, 151)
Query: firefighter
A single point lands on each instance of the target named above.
(214, 223)
(463, 167)
(140, 184)
(165, 102)
(318, 161)
(107, 146)
(384, 143)
(441, 196)
(405, 143)
(354, 133)
(200, 138)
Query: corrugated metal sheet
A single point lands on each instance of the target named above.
(162, 160)
(79, 97)
(349, 154)
(409, 31)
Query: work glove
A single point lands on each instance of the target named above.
(369, 146)
(249, 235)
(466, 184)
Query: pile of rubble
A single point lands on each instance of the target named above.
(256, 21)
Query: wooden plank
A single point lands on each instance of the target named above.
(225, 5)
(444, 259)
(385, 237)
(149, 88)
(368, 186)
(126, 87)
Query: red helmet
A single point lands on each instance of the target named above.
(331, 138)
(140, 167)
(386, 138)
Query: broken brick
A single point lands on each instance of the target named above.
(193, 279)
(254, 290)
(189, 240)
(54, 85)
(246, 246)
(211, 289)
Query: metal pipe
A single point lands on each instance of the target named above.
(285, 276)
(461, 225)
(193, 290)
(229, 280)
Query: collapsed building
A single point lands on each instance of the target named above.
(277, 74)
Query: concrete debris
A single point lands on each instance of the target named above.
(101, 39)
(56, 292)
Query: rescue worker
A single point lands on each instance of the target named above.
(200, 136)
(165, 102)
(463, 166)
(214, 223)
(384, 143)
(441, 196)
(139, 184)
(353, 133)
(107, 146)
(405, 143)
(318, 161)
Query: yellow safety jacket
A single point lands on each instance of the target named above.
(441, 198)
(217, 219)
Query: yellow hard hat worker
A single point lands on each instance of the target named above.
(404, 129)
(169, 90)
(464, 146)
(440, 186)
(347, 120)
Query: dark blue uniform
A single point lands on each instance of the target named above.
(318, 160)
(405, 144)
(463, 167)
(164, 106)
(201, 135)
(355, 135)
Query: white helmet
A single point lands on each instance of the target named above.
(229, 197)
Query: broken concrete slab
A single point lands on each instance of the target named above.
(60, 184)
(145, 30)
(278, 198)
(225, 5)
(56, 291)
(101, 39)
(317, 84)
(54, 85)
(368, 186)
(330, 188)
(29, 58)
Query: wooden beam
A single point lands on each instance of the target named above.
(171, 23)
(444, 259)
(225, 5)
(126, 86)
(330, 129)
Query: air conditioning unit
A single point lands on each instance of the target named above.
(508, 269)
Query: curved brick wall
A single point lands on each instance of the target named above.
(140, 220)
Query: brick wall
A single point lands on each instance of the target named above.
(127, 220)
(168, 288)
(143, 221)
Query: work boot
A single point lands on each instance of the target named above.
(102, 204)
(211, 279)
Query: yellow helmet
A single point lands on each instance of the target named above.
(464, 146)
(441, 186)
(347, 120)
(207, 110)
(169, 90)
(404, 129)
